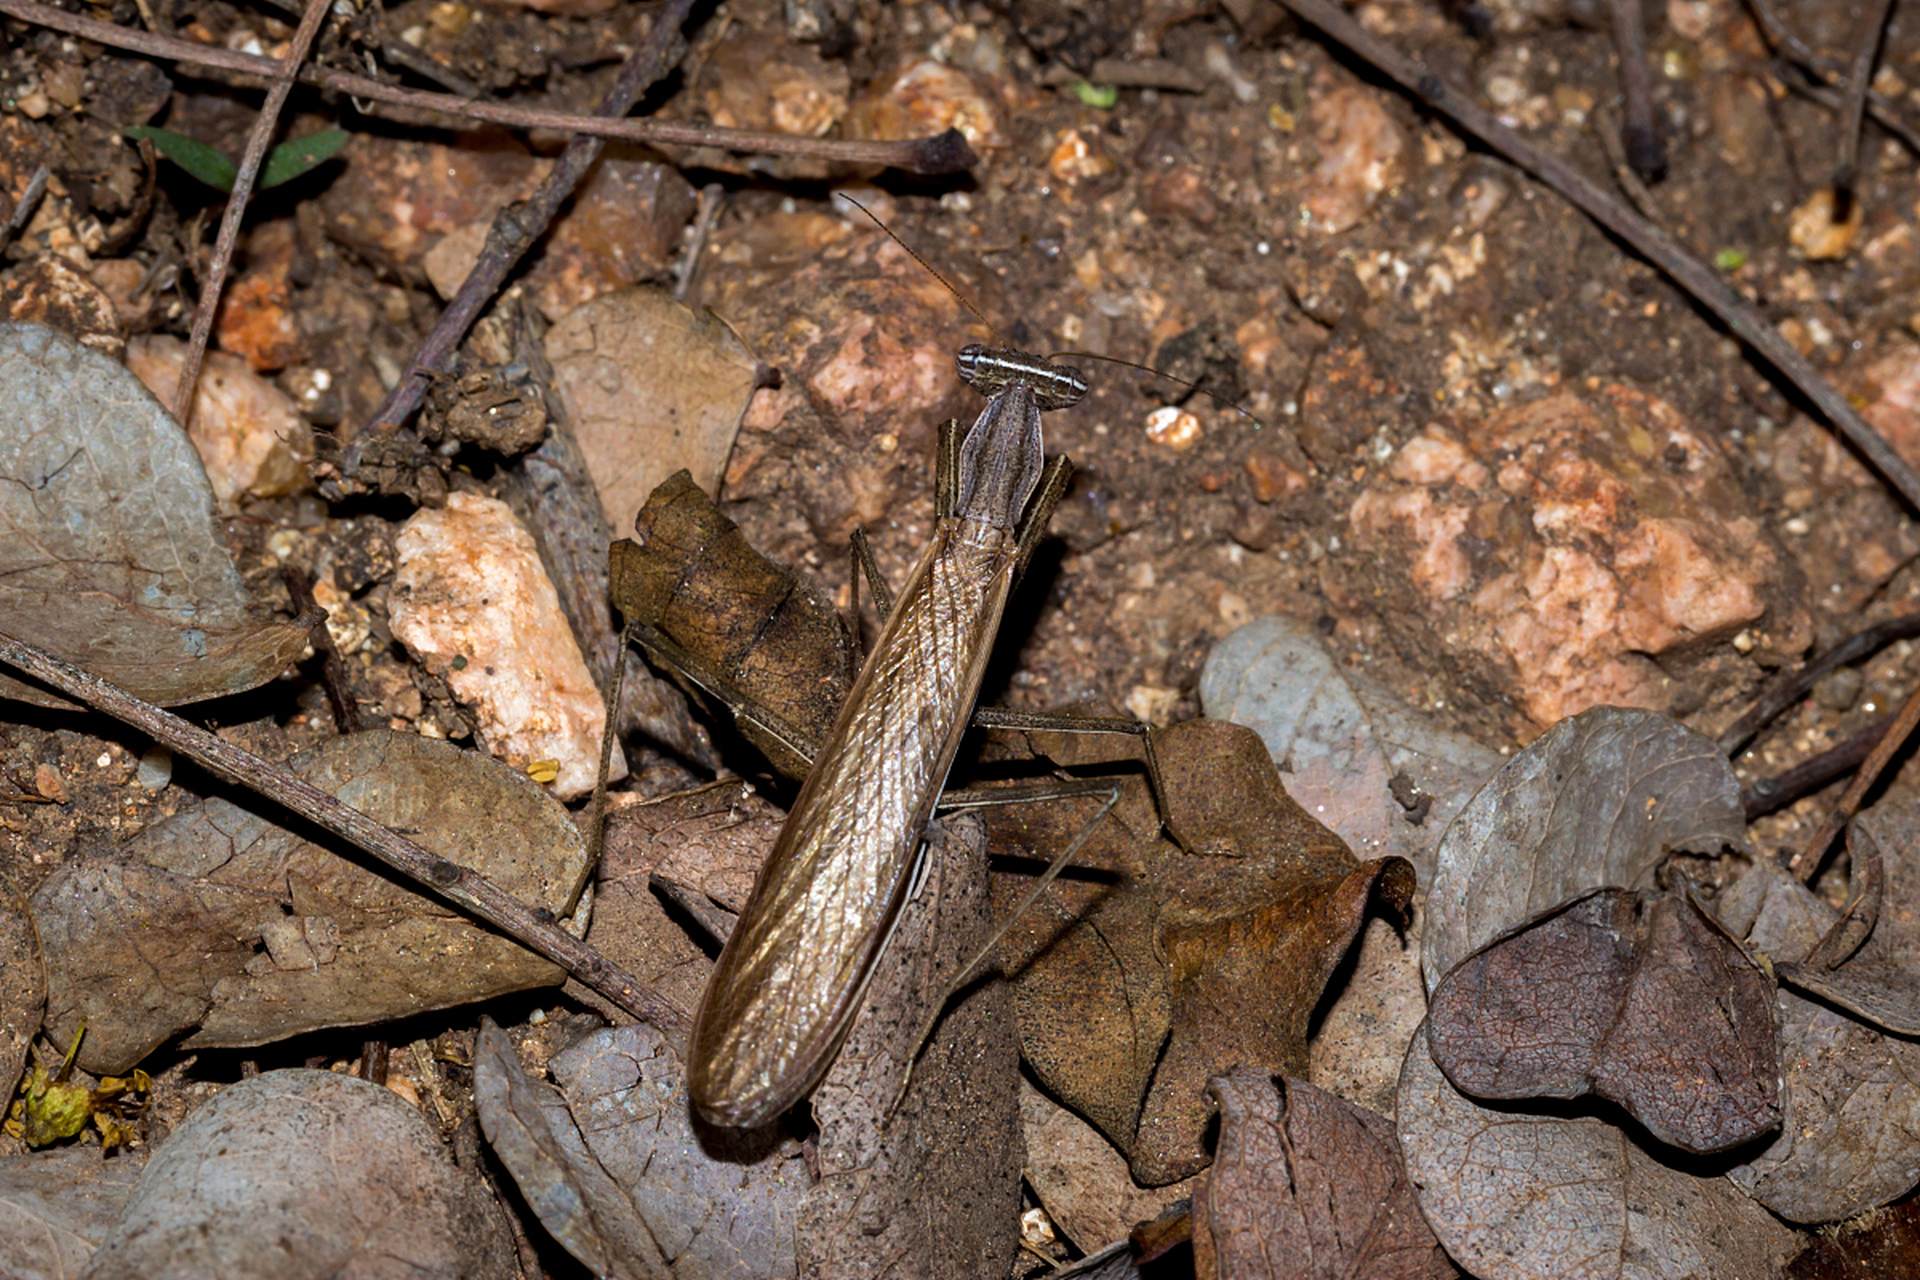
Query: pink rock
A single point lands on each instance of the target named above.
(1568, 542)
(1360, 148)
(248, 432)
(473, 603)
(926, 97)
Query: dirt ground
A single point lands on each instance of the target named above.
(1341, 274)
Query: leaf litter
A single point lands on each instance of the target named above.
(1204, 956)
(614, 1163)
(1481, 912)
(111, 558)
(223, 920)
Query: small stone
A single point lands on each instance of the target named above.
(1173, 427)
(473, 604)
(1814, 232)
(1839, 690)
(156, 769)
(256, 320)
(1078, 156)
(1360, 150)
(927, 97)
(48, 784)
(1272, 478)
(251, 438)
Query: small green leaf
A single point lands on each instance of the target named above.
(1102, 96)
(1730, 259)
(300, 155)
(197, 158)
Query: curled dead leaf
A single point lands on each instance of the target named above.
(1599, 799)
(1132, 995)
(1640, 999)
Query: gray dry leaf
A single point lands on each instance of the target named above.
(1306, 1186)
(110, 557)
(611, 1163)
(1599, 799)
(1517, 1195)
(614, 1170)
(1640, 999)
(1846, 1141)
(1349, 745)
(56, 1206)
(297, 1174)
(649, 388)
(1880, 983)
(219, 917)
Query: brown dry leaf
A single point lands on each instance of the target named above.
(1599, 799)
(1081, 1180)
(1641, 999)
(1852, 1093)
(56, 1206)
(112, 559)
(611, 1163)
(220, 917)
(743, 624)
(1133, 996)
(650, 388)
(1307, 1186)
(1517, 1195)
(714, 838)
(297, 1174)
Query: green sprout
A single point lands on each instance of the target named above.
(1102, 96)
(284, 163)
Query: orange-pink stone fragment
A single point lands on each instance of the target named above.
(1572, 540)
(472, 602)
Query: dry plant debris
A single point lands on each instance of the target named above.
(1507, 535)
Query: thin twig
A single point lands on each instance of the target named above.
(402, 54)
(1658, 247)
(712, 197)
(1624, 175)
(1789, 687)
(516, 227)
(1808, 861)
(333, 672)
(258, 141)
(1824, 71)
(471, 892)
(1765, 795)
(23, 207)
(1896, 127)
(1646, 153)
(935, 154)
(1866, 45)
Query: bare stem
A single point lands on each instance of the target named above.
(467, 890)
